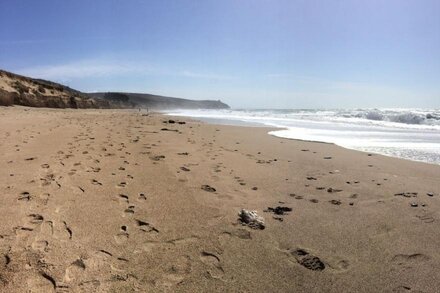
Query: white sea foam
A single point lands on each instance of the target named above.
(406, 133)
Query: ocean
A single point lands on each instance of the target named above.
(412, 134)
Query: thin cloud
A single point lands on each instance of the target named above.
(80, 69)
(187, 73)
(107, 68)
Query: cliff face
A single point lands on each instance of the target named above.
(30, 100)
(159, 102)
(20, 90)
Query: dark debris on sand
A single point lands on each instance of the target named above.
(166, 129)
(279, 210)
(157, 158)
(208, 188)
(407, 194)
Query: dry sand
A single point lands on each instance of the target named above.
(98, 201)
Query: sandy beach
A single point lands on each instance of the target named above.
(119, 201)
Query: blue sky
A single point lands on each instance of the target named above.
(248, 53)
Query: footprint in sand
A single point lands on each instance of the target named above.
(59, 231)
(149, 246)
(146, 227)
(68, 230)
(410, 259)
(98, 260)
(33, 222)
(24, 196)
(123, 198)
(46, 228)
(41, 283)
(122, 236)
(122, 184)
(307, 260)
(142, 197)
(212, 261)
(5, 259)
(47, 179)
(405, 289)
(75, 271)
(35, 219)
(44, 198)
(129, 210)
(335, 202)
(240, 234)
(22, 231)
(40, 245)
(120, 264)
(182, 265)
(426, 218)
(96, 182)
(180, 268)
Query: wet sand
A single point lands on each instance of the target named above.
(112, 201)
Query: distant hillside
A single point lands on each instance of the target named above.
(25, 91)
(159, 102)
(20, 90)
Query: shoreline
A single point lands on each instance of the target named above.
(261, 125)
(114, 200)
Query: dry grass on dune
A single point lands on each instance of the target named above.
(6, 100)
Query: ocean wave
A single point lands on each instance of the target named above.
(394, 118)
(405, 117)
(405, 133)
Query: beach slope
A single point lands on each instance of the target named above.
(121, 201)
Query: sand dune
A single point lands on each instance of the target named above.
(117, 200)
(25, 91)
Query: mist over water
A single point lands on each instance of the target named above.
(412, 134)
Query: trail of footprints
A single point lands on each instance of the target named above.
(135, 223)
(41, 232)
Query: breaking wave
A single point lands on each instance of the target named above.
(405, 133)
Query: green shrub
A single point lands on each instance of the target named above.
(20, 87)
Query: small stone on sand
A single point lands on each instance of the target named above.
(251, 219)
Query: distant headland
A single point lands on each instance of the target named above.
(25, 91)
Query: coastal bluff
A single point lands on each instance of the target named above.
(25, 91)
(157, 102)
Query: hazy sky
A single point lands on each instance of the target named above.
(248, 53)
